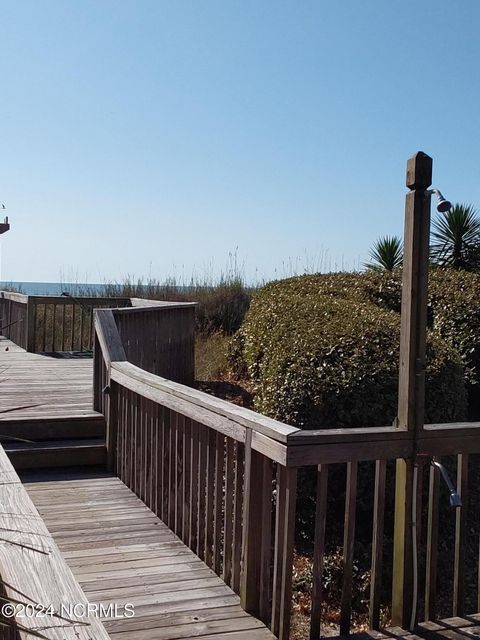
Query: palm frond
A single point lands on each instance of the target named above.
(456, 238)
(386, 254)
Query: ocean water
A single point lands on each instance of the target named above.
(54, 288)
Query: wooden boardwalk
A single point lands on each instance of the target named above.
(120, 553)
(35, 386)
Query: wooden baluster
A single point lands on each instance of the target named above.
(111, 437)
(121, 467)
(237, 515)
(91, 329)
(460, 536)
(130, 444)
(74, 307)
(432, 544)
(283, 552)
(264, 606)
(141, 449)
(210, 497)
(172, 490)
(186, 479)
(166, 464)
(44, 329)
(319, 550)
(63, 327)
(30, 325)
(348, 547)
(160, 459)
(252, 516)
(194, 467)
(217, 522)
(377, 543)
(152, 445)
(81, 328)
(179, 473)
(54, 327)
(134, 446)
(229, 516)
(147, 448)
(202, 489)
(156, 458)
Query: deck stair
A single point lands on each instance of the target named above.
(46, 414)
(56, 453)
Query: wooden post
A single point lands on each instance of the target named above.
(30, 325)
(411, 390)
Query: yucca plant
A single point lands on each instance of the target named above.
(456, 238)
(386, 254)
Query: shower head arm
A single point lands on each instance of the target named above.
(455, 499)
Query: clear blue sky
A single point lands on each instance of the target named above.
(153, 137)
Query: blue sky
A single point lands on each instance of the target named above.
(155, 138)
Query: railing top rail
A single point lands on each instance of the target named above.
(49, 299)
(102, 300)
(143, 302)
(34, 567)
(12, 295)
(229, 423)
(108, 337)
(240, 415)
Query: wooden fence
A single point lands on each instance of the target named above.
(224, 479)
(13, 317)
(50, 324)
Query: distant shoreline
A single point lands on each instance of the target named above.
(50, 288)
(57, 288)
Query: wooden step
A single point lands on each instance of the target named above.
(52, 428)
(56, 453)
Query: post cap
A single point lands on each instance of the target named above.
(419, 171)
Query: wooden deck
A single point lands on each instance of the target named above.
(42, 386)
(120, 552)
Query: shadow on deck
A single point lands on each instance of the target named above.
(121, 553)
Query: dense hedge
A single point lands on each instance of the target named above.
(323, 350)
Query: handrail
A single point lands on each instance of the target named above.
(12, 295)
(34, 572)
(305, 447)
(143, 302)
(108, 337)
(246, 417)
(153, 387)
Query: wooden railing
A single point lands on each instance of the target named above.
(42, 324)
(13, 317)
(157, 336)
(224, 479)
(37, 585)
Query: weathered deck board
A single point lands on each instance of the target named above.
(120, 552)
(43, 387)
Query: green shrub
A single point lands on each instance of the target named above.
(322, 351)
(454, 297)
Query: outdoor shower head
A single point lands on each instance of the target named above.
(443, 205)
(455, 499)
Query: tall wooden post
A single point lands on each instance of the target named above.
(411, 390)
